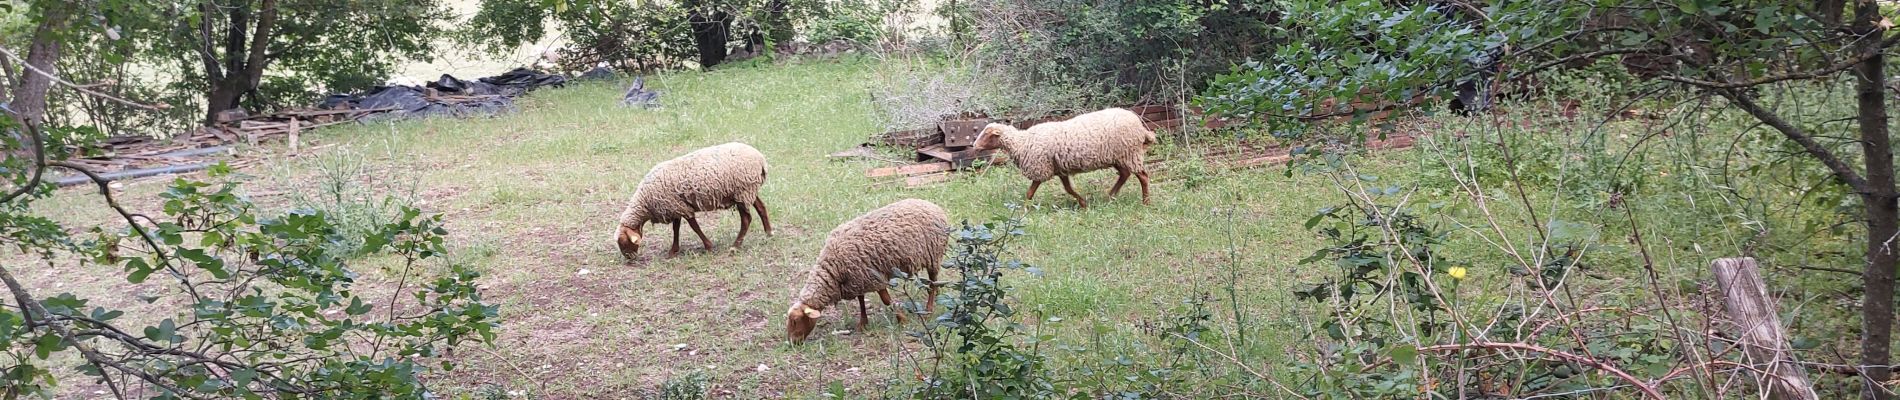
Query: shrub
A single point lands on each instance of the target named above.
(357, 200)
(268, 305)
(691, 386)
(981, 349)
(1081, 54)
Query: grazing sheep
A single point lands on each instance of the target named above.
(727, 175)
(863, 254)
(1111, 138)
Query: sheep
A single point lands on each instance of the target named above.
(708, 179)
(1111, 138)
(861, 256)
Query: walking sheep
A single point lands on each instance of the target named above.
(709, 179)
(1111, 138)
(863, 254)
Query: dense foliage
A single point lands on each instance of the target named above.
(1089, 52)
(197, 58)
(1758, 60)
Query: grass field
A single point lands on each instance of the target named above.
(532, 198)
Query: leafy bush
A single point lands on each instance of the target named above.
(858, 21)
(356, 199)
(979, 347)
(691, 386)
(631, 36)
(261, 305)
(1078, 54)
(982, 351)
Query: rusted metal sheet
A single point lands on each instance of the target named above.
(961, 132)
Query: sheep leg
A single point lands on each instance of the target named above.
(745, 224)
(759, 204)
(1143, 176)
(694, 222)
(1120, 178)
(885, 295)
(675, 252)
(1032, 190)
(1071, 189)
(863, 315)
(930, 305)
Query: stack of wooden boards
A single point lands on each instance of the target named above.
(943, 149)
(947, 146)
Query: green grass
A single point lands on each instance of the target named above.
(532, 198)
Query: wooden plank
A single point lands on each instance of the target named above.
(247, 125)
(912, 169)
(1150, 113)
(1259, 161)
(296, 128)
(911, 138)
(1172, 124)
(1759, 328)
(1392, 142)
(936, 151)
(926, 179)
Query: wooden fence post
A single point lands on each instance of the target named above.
(1759, 330)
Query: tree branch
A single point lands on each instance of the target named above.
(92, 355)
(1578, 57)
(39, 156)
(81, 88)
(205, 48)
(260, 40)
(1649, 391)
(1835, 68)
(106, 191)
(1841, 169)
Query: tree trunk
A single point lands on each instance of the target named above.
(1877, 307)
(224, 95)
(1829, 11)
(246, 48)
(29, 98)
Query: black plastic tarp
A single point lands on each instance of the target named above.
(454, 97)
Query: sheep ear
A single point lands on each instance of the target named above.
(813, 313)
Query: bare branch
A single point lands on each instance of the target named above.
(35, 140)
(83, 88)
(1648, 390)
(1829, 70)
(1841, 169)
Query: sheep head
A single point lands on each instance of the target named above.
(629, 241)
(800, 320)
(992, 136)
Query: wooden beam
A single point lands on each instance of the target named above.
(912, 169)
(1758, 326)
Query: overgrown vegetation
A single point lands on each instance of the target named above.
(1555, 246)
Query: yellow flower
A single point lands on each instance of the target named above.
(1456, 273)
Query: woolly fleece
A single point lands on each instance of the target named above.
(861, 255)
(707, 179)
(1102, 139)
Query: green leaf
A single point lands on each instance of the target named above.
(1314, 221)
(139, 270)
(357, 307)
(46, 345)
(1403, 353)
